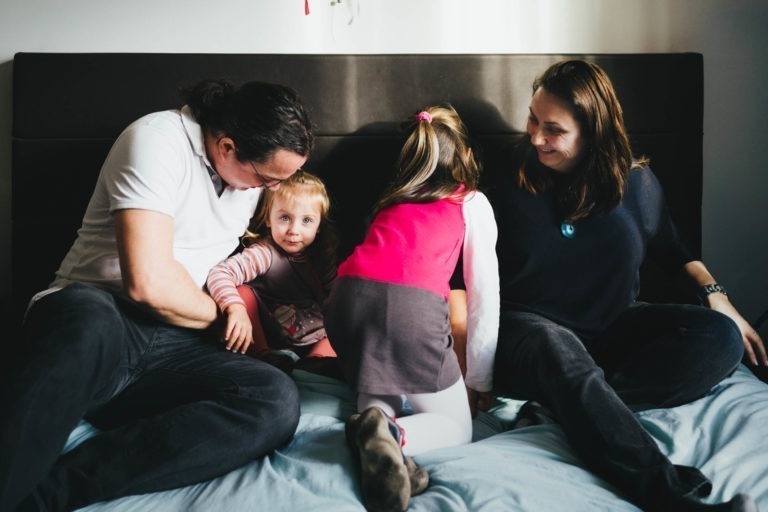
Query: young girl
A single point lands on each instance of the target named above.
(287, 271)
(388, 319)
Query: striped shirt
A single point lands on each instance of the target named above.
(241, 268)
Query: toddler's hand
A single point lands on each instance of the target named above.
(238, 333)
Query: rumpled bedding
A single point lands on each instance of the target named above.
(527, 469)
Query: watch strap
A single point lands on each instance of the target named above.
(708, 289)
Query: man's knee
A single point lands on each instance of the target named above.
(76, 307)
(273, 395)
(76, 323)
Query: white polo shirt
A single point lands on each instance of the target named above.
(159, 163)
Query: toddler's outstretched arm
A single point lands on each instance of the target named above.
(222, 283)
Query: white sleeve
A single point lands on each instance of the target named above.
(145, 169)
(481, 277)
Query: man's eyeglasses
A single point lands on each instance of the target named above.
(266, 182)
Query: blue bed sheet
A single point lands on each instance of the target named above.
(528, 469)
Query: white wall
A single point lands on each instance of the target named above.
(732, 35)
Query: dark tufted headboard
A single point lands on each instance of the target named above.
(69, 108)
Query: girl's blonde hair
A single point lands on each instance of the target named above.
(435, 159)
(322, 252)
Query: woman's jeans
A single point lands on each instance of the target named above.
(175, 407)
(651, 356)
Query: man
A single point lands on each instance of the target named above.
(126, 335)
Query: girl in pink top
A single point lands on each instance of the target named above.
(272, 291)
(388, 317)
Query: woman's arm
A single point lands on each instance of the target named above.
(668, 249)
(753, 344)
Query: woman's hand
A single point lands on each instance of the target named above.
(754, 347)
(238, 333)
(753, 344)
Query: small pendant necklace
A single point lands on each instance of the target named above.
(567, 229)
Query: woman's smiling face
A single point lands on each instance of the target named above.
(554, 132)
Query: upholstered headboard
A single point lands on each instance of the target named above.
(69, 108)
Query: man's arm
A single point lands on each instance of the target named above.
(151, 275)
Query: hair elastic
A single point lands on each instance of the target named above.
(424, 116)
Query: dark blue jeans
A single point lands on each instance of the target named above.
(175, 407)
(651, 356)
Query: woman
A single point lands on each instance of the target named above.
(576, 217)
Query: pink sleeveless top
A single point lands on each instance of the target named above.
(411, 244)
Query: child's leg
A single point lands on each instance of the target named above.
(322, 348)
(259, 349)
(389, 435)
(392, 405)
(319, 358)
(440, 419)
(385, 475)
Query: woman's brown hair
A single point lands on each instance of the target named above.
(598, 182)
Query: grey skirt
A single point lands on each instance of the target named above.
(391, 339)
